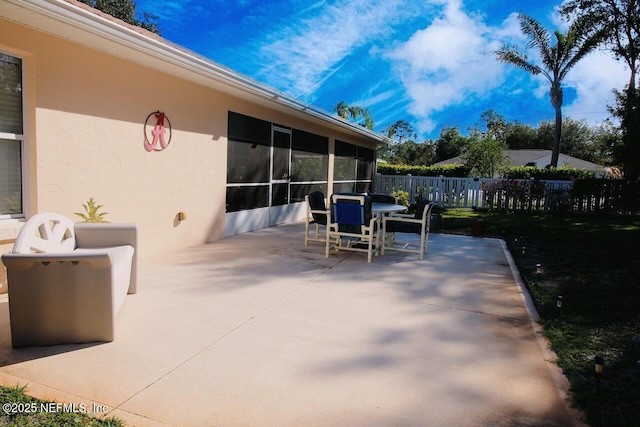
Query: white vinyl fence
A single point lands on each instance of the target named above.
(517, 194)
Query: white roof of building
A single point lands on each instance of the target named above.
(526, 156)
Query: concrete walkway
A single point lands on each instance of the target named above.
(259, 330)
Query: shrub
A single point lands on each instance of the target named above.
(527, 172)
(455, 170)
(402, 196)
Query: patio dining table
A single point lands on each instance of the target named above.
(386, 208)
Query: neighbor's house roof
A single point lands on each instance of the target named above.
(79, 23)
(539, 158)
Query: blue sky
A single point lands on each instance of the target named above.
(428, 62)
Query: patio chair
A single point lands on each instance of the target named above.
(405, 223)
(352, 227)
(317, 215)
(68, 281)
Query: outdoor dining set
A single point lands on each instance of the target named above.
(367, 223)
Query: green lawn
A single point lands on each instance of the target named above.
(19, 409)
(594, 263)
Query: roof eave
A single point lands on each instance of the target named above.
(66, 19)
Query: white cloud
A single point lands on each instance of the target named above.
(451, 63)
(302, 56)
(448, 62)
(594, 78)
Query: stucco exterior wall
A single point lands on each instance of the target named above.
(86, 112)
(88, 136)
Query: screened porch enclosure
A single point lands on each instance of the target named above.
(271, 167)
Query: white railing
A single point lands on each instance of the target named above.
(469, 192)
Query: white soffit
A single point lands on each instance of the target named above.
(80, 24)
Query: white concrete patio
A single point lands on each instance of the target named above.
(259, 330)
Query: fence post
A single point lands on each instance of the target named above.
(411, 192)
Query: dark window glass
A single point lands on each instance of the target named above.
(10, 177)
(344, 168)
(280, 194)
(281, 150)
(366, 154)
(344, 149)
(298, 191)
(344, 187)
(10, 94)
(248, 149)
(247, 162)
(248, 129)
(307, 166)
(247, 197)
(365, 169)
(309, 142)
(363, 187)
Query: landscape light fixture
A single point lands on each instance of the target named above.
(599, 364)
(523, 250)
(559, 301)
(538, 269)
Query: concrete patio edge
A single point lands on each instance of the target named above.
(561, 381)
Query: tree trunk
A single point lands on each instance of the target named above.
(555, 154)
(556, 100)
(630, 136)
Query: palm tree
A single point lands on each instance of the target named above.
(354, 112)
(580, 39)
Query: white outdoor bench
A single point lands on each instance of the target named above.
(68, 281)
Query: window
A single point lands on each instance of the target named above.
(299, 159)
(11, 136)
(248, 163)
(309, 164)
(353, 169)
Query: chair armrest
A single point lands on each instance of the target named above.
(26, 261)
(321, 212)
(409, 219)
(89, 235)
(399, 215)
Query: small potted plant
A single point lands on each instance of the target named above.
(91, 212)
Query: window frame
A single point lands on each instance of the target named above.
(21, 138)
(347, 151)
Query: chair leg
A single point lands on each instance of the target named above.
(306, 233)
(326, 251)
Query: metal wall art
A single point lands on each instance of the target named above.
(159, 139)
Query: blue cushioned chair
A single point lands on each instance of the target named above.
(352, 226)
(415, 224)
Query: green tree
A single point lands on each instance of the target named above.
(413, 153)
(577, 138)
(401, 131)
(557, 59)
(125, 10)
(354, 113)
(620, 19)
(607, 140)
(520, 136)
(485, 155)
(495, 124)
(450, 143)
